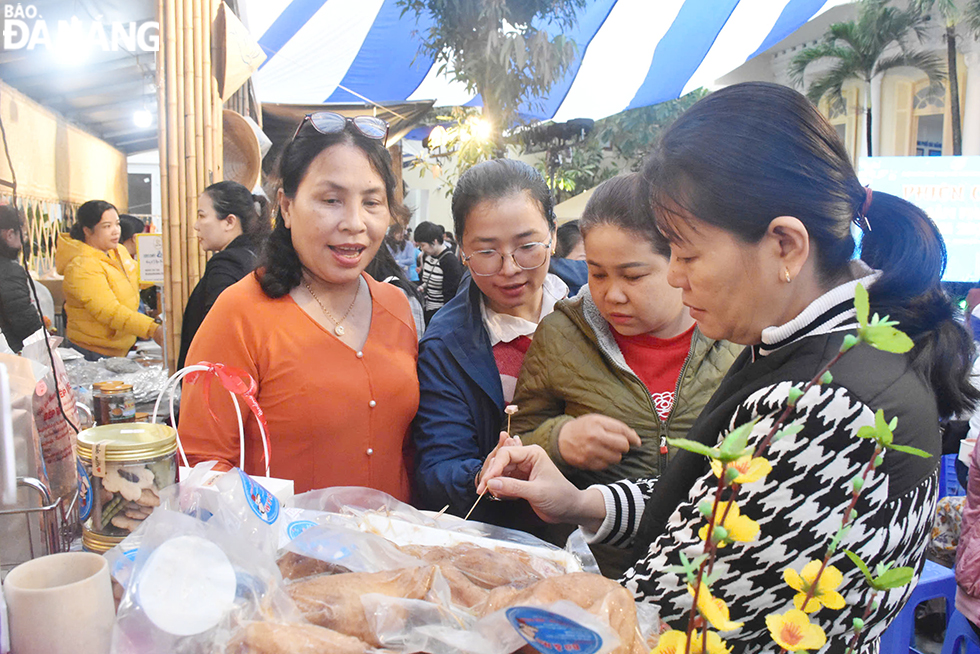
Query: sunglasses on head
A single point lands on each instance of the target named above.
(330, 122)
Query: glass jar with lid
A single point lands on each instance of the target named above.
(112, 402)
(124, 467)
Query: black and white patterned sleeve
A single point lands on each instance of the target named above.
(624, 501)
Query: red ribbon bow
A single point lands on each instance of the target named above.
(235, 380)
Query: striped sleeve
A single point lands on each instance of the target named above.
(625, 501)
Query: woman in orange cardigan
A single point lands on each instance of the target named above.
(332, 350)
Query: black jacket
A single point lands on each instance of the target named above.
(223, 269)
(798, 505)
(18, 316)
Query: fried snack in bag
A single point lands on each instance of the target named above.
(599, 596)
(334, 601)
(487, 568)
(293, 638)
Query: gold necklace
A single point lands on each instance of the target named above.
(338, 329)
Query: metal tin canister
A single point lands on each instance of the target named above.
(125, 466)
(93, 542)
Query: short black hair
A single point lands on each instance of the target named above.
(10, 218)
(129, 226)
(426, 232)
(497, 179)
(621, 202)
(89, 215)
(567, 236)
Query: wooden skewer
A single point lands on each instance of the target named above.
(510, 410)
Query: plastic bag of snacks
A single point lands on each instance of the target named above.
(57, 437)
(192, 585)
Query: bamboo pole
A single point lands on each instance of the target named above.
(181, 231)
(192, 260)
(207, 168)
(161, 82)
(200, 108)
(174, 124)
(217, 106)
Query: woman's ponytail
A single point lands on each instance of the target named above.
(907, 247)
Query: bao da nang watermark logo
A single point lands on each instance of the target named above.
(25, 29)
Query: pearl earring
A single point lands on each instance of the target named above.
(786, 275)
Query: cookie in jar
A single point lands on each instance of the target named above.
(125, 466)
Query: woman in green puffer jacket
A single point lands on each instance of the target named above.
(614, 372)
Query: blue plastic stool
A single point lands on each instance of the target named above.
(935, 581)
(949, 484)
(960, 632)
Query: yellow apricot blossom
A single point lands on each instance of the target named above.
(739, 527)
(825, 592)
(714, 610)
(674, 642)
(793, 631)
(749, 468)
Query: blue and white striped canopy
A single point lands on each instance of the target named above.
(631, 53)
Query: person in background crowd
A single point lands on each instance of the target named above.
(968, 550)
(19, 318)
(570, 242)
(384, 268)
(472, 351)
(129, 227)
(441, 269)
(613, 373)
(101, 286)
(450, 240)
(332, 350)
(233, 224)
(569, 260)
(771, 267)
(404, 251)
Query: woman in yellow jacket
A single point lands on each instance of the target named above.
(101, 286)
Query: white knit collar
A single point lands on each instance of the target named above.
(833, 311)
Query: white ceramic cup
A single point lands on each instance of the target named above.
(60, 604)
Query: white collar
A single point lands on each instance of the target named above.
(503, 328)
(833, 311)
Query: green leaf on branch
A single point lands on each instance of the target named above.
(734, 445)
(882, 432)
(886, 338)
(792, 428)
(884, 429)
(910, 450)
(794, 395)
(895, 578)
(688, 568)
(861, 565)
(862, 305)
(694, 446)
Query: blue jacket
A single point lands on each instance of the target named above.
(461, 413)
(573, 272)
(461, 404)
(407, 258)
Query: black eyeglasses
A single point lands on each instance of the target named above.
(330, 122)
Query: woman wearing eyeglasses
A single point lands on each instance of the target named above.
(332, 350)
(472, 351)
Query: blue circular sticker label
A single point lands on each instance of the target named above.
(297, 527)
(549, 632)
(263, 503)
(84, 492)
